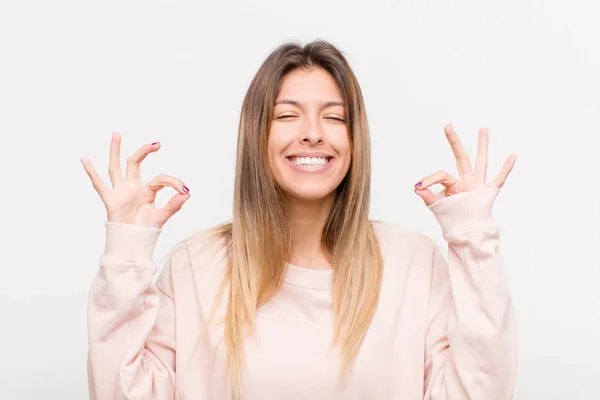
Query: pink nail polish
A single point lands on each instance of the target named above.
(418, 185)
(185, 189)
(153, 143)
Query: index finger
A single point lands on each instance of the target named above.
(463, 163)
(132, 170)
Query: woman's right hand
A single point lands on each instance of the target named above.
(131, 201)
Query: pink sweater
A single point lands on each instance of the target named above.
(442, 330)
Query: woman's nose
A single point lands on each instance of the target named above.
(313, 134)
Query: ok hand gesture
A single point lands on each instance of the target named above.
(129, 200)
(468, 179)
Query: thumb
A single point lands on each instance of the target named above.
(175, 203)
(427, 195)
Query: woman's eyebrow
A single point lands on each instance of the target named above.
(328, 104)
(291, 102)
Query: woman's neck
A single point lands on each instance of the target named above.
(307, 220)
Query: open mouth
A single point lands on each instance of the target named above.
(310, 163)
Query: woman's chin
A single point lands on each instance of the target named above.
(310, 193)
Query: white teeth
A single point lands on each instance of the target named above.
(310, 161)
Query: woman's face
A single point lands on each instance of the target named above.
(309, 149)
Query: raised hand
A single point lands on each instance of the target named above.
(468, 179)
(131, 201)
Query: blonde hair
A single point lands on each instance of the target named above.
(258, 238)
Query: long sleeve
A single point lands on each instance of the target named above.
(471, 341)
(131, 321)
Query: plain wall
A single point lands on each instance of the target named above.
(73, 72)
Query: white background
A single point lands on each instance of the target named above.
(71, 73)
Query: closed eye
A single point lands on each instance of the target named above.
(295, 116)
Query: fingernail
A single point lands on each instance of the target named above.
(418, 185)
(185, 189)
(153, 143)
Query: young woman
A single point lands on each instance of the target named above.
(301, 296)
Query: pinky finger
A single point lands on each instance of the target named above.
(500, 179)
(97, 182)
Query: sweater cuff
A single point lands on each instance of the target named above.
(130, 244)
(466, 211)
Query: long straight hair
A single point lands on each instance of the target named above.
(258, 238)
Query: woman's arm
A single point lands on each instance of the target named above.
(131, 321)
(471, 341)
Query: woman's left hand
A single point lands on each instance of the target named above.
(468, 179)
